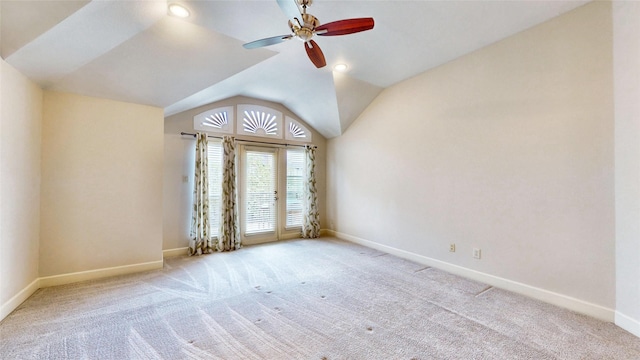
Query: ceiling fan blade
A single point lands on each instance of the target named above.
(315, 54)
(290, 8)
(344, 27)
(266, 42)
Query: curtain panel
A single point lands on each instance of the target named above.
(311, 215)
(229, 234)
(200, 240)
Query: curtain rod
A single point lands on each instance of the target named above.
(251, 141)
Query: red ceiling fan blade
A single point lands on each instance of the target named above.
(315, 54)
(344, 27)
(267, 41)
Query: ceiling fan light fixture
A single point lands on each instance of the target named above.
(178, 10)
(340, 67)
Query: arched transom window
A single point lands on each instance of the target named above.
(253, 120)
(218, 120)
(260, 121)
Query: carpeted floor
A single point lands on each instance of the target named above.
(302, 299)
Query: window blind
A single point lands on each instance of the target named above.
(295, 179)
(214, 152)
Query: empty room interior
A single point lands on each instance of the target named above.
(381, 179)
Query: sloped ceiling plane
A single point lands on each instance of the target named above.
(135, 51)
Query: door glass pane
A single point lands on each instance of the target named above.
(260, 192)
(295, 173)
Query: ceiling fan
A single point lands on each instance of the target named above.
(296, 10)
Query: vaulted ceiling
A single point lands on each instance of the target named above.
(134, 51)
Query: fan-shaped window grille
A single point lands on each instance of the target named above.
(259, 121)
(296, 131)
(218, 120)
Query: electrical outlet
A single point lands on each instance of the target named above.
(185, 179)
(476, 253)
(452, 248)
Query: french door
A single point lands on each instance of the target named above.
(259, 194)
(270, 192)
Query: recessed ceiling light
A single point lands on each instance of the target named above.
(340, 67)
(178, 10)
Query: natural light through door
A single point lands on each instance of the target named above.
(260, 189)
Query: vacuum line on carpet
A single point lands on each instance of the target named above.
(484, 291)
(424, 268)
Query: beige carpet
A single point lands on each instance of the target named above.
(303, 299)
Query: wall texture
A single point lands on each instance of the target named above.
(179, 157)
(508, 149)
(626, 53)
(20, 131)
(101, 184)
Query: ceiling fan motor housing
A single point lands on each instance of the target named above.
(306, 31)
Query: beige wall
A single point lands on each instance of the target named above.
(101, 184)
(20, 131)
(508, 149)
(179, 162)
(179, 155)
(626, 15)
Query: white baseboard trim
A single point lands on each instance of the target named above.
(63, 279)
(185, 250)
(175, 252)
(19, 298)
(290, 236)
(628, 323)
(567, 302)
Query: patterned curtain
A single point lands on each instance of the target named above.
(229, 235)
(200, 241)
(311, 216)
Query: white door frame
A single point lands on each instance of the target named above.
(257, 238)
(280, 233)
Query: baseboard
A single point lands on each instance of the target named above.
(290, 236)
(63, 279)
(597, 311)
(19, 298)
(185, 250)
(175, 252)
(564, 301)
(98, 273)
(630, 324)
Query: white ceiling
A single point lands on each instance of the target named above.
(133, 51)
